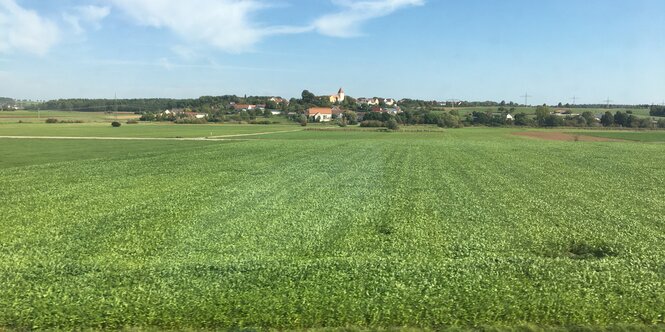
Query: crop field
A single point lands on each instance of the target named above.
(641, 136)
(158, 130)
(331, 229)
(41, 116)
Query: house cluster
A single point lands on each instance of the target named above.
(327, 114)
(377, 101)
(180, 112)
(564, 113)
(247, 107)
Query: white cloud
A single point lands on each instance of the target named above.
(347, 23)
(230, 25)
(225, 24)
(24, 30)
(88, 15)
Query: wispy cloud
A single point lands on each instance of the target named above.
(25, 30)
(348, 22)
(230, 25)
(225, 24)
(169, 64)
(86, 15)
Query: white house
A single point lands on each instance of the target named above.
(319, 114)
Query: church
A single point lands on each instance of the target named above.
(339, 97)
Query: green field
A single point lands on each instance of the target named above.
(643, 112)
(41, 116)
(329, 229)
(159, 130)
(640, 136)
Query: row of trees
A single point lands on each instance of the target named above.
(203, 104)
(621, 119)
(545, 118)
(657, 110)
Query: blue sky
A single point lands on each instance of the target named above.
(425, 49)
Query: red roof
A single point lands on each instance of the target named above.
(319, 110)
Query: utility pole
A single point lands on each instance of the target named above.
(574, 100)
(608, 101)
(526, 98)
(115, 103)
(452, 103)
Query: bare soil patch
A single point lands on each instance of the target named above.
(559, 136)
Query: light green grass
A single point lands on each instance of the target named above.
(464, 228)
(642, 112)
(41, 116)
(159, 130)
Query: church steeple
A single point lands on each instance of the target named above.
(340, 95)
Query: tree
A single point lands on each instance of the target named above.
(521, 119)
(621, 119)
(392, 124)
(607, 119)
(657, 110)
(541, 113)
(302, 119)
(449, 121)
(661, 123)
(589, 117)
(351, 117)
(308, 97)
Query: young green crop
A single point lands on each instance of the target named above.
(312, 229)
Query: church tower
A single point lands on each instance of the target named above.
(340, 95)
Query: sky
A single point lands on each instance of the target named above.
(552, 50)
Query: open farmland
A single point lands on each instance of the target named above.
(312, 229)
(640, 136)
(145, 130)
(41, 116)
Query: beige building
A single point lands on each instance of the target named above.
(339, 97)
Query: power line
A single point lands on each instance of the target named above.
(526, 98)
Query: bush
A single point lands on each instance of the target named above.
(132, 121)
(191, 121)
(372, 124)
(392, 124)
(302, 120)
(261, 122)
(51, 120)
(116, 124)
(148, 117)
(449, 121)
